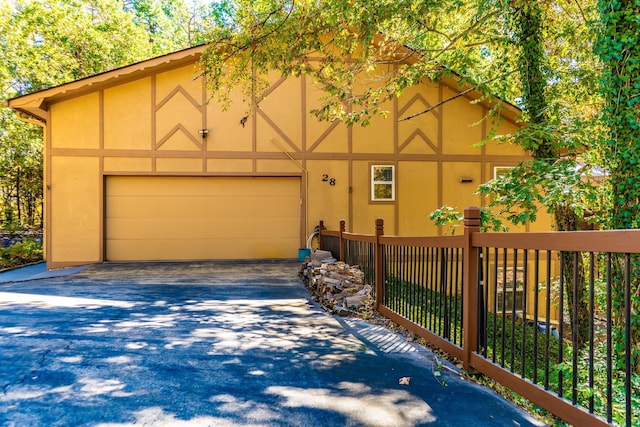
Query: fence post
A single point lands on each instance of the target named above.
(321, 227)
(342, 229)
(470, 268)
(379, 262)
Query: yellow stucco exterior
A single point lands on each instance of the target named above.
(130, 125)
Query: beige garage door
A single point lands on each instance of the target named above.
(199, 218)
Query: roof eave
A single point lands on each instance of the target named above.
(36, 104)
(505, 108)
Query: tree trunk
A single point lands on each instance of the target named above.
(529, 17)
(573, 278)
(619, 53)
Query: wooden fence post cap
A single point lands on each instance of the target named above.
(379, 226)
(472, 216)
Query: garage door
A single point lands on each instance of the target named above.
(200, 218)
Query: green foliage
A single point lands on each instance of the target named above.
(360, 54)
(20, 253)
(20, 173)
(48, 43)
(172, 25)
(619, 49)
(518, 194)
(447, 216)
(45, 43)
(451, 217)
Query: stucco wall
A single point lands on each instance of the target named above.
(150, 126)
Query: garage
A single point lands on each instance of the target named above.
(201, 218)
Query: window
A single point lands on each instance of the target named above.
(499, 171)
(508, 298)
(383, 183)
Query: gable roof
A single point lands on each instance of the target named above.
(36, 104)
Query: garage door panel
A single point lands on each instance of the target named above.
(226, 228)
(193, 208)
(203, 186)
(173, 218)
(132, 250)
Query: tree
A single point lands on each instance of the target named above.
(20, 173)
(619, 50)
(49, 43)
(45, 44)
(360, 53)
(552, 178)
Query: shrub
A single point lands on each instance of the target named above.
(21, 253)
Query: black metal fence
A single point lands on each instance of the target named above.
(363, 254)
(424, 285)
(548, 315)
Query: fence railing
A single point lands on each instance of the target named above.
(548, 315)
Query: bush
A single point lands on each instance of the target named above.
(21, 253)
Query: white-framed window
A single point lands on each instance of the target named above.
(383, 186)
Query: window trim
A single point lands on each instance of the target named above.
(373, 183)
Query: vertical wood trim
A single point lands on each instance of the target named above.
(440, 119)
(350, 151)
(152, 143)
(47, 190)
(349, 135)
(103, 227)
(440, 150)
(483, 153)
(203, 110)
(254, 141)
(101, 119)
(303, 108)
(303, 208)
(304, 223)
(254, 125)
(101, 193)
(396, 151)
(350, 194)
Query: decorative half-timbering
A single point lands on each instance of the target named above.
(140, 166)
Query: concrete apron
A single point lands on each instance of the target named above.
(214, 344)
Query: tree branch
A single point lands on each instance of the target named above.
(433, 107)
(456, 96)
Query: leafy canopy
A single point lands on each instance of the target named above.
(360, 53)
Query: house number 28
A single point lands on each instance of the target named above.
(326, 178)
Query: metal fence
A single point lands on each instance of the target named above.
(548, 315)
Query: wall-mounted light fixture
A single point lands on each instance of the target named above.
(465, 180)
(203, 132)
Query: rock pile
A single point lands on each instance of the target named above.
(336, 285)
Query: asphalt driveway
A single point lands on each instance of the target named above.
(214, 344)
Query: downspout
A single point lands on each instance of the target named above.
(306, 182)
